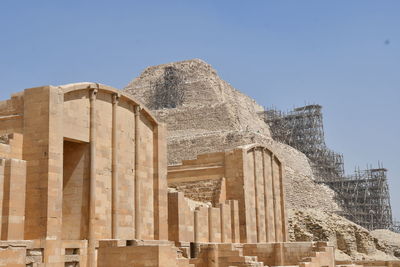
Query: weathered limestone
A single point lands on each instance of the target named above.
(91, 152)
(12, 198)
(214, 117)
(253, 176)
(138, 256)
(83, 182)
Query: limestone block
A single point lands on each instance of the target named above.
(138, 256)
(214, 225)
(13, 198)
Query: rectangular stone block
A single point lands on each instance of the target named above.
(13, 198)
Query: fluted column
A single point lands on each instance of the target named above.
(92, 195)
(137, 173)
(256, 195)
(115, 100)
(275, 196)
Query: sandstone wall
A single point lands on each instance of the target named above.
(206, 191)
(250, 174)
(201, 224)
(12, 198)
(74, 135)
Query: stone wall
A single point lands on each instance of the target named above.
(206, 191)
(201, 224)
(81, 162)
(12, 198)
(138, 256)
(300, 188)
(104, 123)
(251, 175)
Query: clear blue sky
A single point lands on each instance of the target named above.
(344, 55)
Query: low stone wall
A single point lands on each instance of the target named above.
(31, 253)
(12, 198)
(203, 224)
(138, 256)
(206, 191)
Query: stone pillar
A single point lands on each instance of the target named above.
(43, 122)
(222, 216)
(274, 197)
(283, 205)
(226, 222)
(211, 232)
(267, 196)
(256, 195)
(234, 209)
(276, 185)
(137, 173)
(12, 198)
(160, 183)
(115, 100)
(196, 226)
(214, 225)
(92, 194)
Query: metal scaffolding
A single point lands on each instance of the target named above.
(396, 226)
(303, 129)
(364, 195)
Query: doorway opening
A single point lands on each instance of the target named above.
(75, 204)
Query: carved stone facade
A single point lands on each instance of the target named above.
(84, 182)
(94, 164)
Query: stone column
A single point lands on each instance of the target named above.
(137, 173)
(211, 232)
(196, 226)
(275, 196)
(222, 213)
(43, 145)
(160, 203)
(92, 195)
(266, 199)
(283, 204)
(256, 195)
(115, 99)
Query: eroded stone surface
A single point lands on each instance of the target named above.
(214, 116)
(352, 241)
(83, 175)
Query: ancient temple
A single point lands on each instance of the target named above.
(84, 181)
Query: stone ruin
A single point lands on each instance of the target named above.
(85, 181)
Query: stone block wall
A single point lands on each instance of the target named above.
(206, 191)
(266, 254)
(12, 254)
(118, 140)
(94, 160)
(253, 176)
(202, 224)
(289, 254)
(12, 198)
(35, 253)
(138, 256)
(11, 113)
(12, 146)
